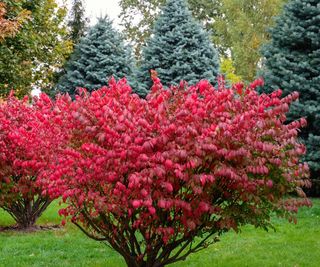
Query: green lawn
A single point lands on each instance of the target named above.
(291, 245)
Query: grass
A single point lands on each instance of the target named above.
(291, 245)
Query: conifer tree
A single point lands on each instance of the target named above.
(138, 17)
(292, 63)
(179, 49)
(77, 21)
(98, 56)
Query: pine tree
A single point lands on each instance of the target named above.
(292, 63)
(179, 49)
(144, 13)
(98, 56)
(77, 21)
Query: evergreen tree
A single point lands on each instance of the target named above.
(98, 56)
(179, 49)
(238, 28)
(144, 13)
(77, 21)
(292, 63)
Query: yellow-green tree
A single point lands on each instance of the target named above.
(242, 30)
(35, 53)
(228, 70)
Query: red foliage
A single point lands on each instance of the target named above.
(147, 176)
(29, 138)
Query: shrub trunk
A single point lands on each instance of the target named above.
(26, 212)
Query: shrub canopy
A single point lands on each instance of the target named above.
(148, 176)
(30, 136)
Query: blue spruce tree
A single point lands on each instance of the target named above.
(179, 49)
(98, 56)
(292, 63)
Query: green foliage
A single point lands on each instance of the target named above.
(293, 64)
(227, 68)
(243, 29)
(37, 51)
(77, 21)
(98, 56)
(178, 50)
(9, 25)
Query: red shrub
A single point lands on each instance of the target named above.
(148, 176)
(29, 137)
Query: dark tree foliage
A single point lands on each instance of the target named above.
(77, 21)
(292, 63)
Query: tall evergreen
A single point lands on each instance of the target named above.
(179, 49)
(77, 21)
(292, 63)
(98, 56)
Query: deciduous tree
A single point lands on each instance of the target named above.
(243, 29)
(228, 70)
(32, 57)
(10, 26)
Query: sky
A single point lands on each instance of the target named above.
(96, 8)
